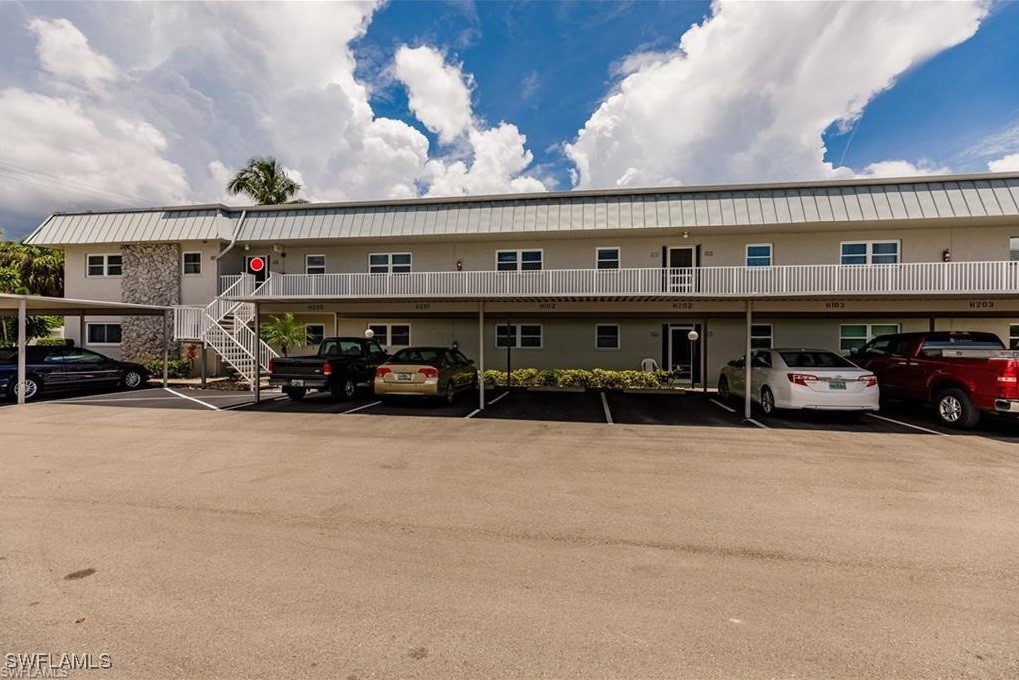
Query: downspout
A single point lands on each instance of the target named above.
(233, 240)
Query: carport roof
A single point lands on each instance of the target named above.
(38, 304)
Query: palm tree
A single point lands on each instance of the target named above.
(40, 270)
(286, 332)
(264, 180)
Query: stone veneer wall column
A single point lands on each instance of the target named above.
(151, 276)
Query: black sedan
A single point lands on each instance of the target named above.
(49, 368)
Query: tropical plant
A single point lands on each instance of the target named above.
(39, 270)
(284, 332)
(265, 181)
(28, 270)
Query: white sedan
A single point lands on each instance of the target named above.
(801, 379)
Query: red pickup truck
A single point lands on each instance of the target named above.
(962, 373)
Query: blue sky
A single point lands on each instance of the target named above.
(116, 104)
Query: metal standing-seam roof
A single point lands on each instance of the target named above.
(133, 226)
(845, 201)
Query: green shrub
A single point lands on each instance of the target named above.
(175, 368)
(52, 342)
(598, 378)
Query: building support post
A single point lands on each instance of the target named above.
(746, 365)
(81, 329)
(509, 351)
(205, 360)
(22, 343)
(256, 384)
(704, 356)
(931, 324)
(481, 355)
(336, 324)
(166, 350)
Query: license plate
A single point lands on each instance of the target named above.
(296, 383)
(403, 376)
(836, 386)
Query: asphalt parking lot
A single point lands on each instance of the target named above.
(692, 409)
(223, 544)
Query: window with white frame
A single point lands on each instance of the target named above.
(853, 335)
(191, 263)
(606, 336)
(103, 333)
(758, 254)
(391, 334)
(517, 260)
(1013, 249)
(106, 264)
(870, 252)
(314, 264)
(316, 332)
(389, 263)
(607, 258)
(761, 336)
(518, 336)
(1013, 336)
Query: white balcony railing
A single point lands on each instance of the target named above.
(822, 279)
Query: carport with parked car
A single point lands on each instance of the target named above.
(92, 366)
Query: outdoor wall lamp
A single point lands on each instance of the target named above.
(686, 234)
(459, 265)
(946, 255)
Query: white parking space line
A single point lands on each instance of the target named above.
(758, 424)
(904, 424)
(605, 405)
(197, 401)
(108, 400)
(473, 413)
(250, 403)
(718, 403)
(361, 408)
(498, 398)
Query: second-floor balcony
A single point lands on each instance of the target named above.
(926, 278)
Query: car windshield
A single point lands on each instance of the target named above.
(814, 359)
(413, 355)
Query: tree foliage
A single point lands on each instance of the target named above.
(284, 332)
(39, 271)
(30, 270)
(265, 181)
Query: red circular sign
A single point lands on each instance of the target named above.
(256, 264)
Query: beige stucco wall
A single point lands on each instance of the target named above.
(917, 245)
(569, 342)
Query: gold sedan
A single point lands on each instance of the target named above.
(426, 372)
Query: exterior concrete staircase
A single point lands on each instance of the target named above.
(224, 325)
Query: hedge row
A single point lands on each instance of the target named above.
(577, 377)
(175, 368)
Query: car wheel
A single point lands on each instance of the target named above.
(767, 401)
(132, 380)
(345, 389)
(33, 387)
(724, 393)
(450, 393)
(955, 409)
(295, 393)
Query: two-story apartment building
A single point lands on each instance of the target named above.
(578, 279)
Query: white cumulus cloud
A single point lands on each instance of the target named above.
(439, 93)
(1008, 163)
(748, 93)
(65, 53)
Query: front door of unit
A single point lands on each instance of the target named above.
(680, 263)
(684, 355)
(257, 266)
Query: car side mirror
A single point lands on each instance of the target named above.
(855, 351)
(470, 362)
